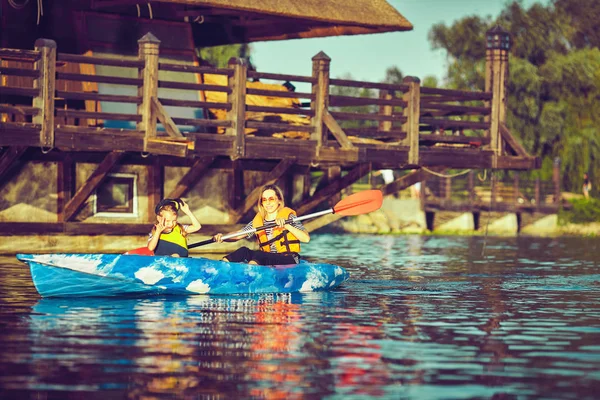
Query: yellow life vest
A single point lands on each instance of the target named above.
(172, 243)
(285, 242)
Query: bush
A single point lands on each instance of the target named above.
(582, 211)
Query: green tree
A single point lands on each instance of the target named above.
(554, 79)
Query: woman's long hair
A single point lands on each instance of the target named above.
(278, 193)
(170, 207)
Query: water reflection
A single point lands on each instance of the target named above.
(421, 317)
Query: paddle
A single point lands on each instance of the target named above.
(356, 204)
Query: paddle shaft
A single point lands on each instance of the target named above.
(260, 228)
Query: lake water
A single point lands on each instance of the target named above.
(420, 318)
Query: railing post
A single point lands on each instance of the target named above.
(496, 69)
(237, 99)
(556, 179)
(148, 47)
(46, 82)
(320, 91)
(386, 110)
(412, 113)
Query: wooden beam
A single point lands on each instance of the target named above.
(406, 181)
(188, 181)
(78, 200)
(237, 191)
(334, 188)
(165, 119)
(9, 161)
(336, 130)
(281, 168)
(512, 142)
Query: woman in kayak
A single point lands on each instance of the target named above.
(279, 244)
(169, 237)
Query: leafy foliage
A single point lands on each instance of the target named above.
(554, 79)
(582, 211)
(218, 56)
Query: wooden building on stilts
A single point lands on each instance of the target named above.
(105, 109)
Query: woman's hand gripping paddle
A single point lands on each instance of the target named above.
(356, 204)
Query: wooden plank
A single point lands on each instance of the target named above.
(274, 148)
(20, 110)
(99, 60)
(464, 94)
(281, 168)
(279, 93)
(165, 119)
(280, 127)
(369, 85)
(163, 66)
(280, 77)
(193, 86)
(18, 91)
(366, 116)
(518, 163)
(336, 130)
(114, 80)
(280, 110)
(349, 101)
(334, 188)
(194, 174)
(170, 147)
(99, 174)
(98, 97)
(9, 161)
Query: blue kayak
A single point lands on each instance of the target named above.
(82, 275)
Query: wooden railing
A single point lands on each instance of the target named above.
(45, 101)
(475, 192)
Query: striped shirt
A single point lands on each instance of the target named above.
(269, 231)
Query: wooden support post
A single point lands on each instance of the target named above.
(423, 195)
(148, 47)
(447, 181)
(237, 191)
(237, 99)
(156, 173)
(64, 185)
(386, 110)
(498, 45)
(516, 188)
(334, 173)
(320, 90)
(556, 180)
(412, 113)
(471, 187)
(44, 101)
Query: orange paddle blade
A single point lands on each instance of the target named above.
(359, 203)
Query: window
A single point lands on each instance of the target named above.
(117, 196)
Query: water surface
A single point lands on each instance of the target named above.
(420, 317)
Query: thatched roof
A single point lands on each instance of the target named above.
(242, 21)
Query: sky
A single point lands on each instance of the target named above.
(367, 57)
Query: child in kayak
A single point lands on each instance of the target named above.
(279, 244)
(169, 237)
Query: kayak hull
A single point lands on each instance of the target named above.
(85, 275)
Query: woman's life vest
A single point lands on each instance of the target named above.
(172, 243)
(284, 241)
